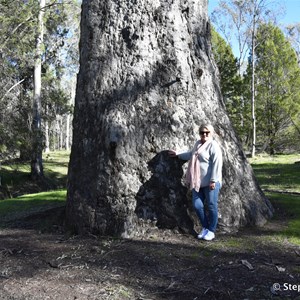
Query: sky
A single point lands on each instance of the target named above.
(292, 8)
(290, 13)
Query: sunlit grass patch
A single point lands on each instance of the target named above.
(57, 162)
(24, 205)
(53, 196)
(278, 172)
(15, 174)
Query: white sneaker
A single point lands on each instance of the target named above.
(209, 236)
(202, 234)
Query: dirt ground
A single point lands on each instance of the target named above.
(162, 265)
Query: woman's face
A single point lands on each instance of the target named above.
(205, 135)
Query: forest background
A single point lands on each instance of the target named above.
(256, 47)
(257, 57)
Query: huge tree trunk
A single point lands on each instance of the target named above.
(147, 80)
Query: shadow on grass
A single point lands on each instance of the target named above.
(273, 175)
(287, 209)
(13, 177)
(56, 164)
(285, 224)
(16, 182)
(56, 179)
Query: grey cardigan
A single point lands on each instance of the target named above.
(211, 162)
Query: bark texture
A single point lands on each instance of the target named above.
(147, 80)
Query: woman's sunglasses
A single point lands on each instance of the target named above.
(204, 132)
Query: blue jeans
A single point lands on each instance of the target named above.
(210, 198)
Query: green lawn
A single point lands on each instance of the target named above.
(15, 175)
(279, 176)
(279, 172)
(23, 206)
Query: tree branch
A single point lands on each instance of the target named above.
(11, 88)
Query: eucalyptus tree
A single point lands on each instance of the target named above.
(230, 80)
(19, 42)
(278, 86)
(57, 16)
(238, 20)
(37, 132)
(293, 35)
(147, 80)
(16, 51)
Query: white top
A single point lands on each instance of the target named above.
(211, 162)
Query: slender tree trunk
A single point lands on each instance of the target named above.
(37, 133)
(61, 133)
(47, 135)
(242, 100)
(68, 118)
(147, 81)
(253, 115)
(67, 139)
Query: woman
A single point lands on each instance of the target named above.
(204, 176)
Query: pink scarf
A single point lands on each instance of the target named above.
(193, 171)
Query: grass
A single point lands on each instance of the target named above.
(278, 172)
(26, 202)
(291, 206)
(279, 176)
(23, 206)
(15, 178)
(56, 168)
(15, 173)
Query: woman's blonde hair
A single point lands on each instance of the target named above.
(209, 127)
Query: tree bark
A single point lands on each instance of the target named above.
(47, 137)
(67, 133)
(253, 113)
(147, 80)
(37, 133)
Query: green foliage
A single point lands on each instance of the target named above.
(227, 65)
(55, 99)
(230, 81)
(278, 87)
(19, 20)
(16, 51)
